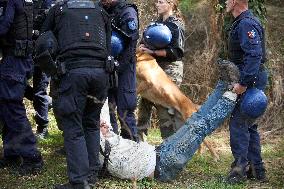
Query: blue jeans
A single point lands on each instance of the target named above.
(179, 148)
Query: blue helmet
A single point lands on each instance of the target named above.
(157, 36)
(117, 44)
(254, 103)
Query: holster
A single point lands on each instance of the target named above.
(23, 48)
(110, 64)
(113, 80)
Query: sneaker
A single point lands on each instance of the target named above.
(84, 185)
(10, 161)
(236, 175)
(258, 173)
(31, 165)
(228, 71)
(42, 132)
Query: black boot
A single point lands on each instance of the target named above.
(84, 185)
(31, 165)
(236, 175)
(93, 178)
(10, 161)
(258, 173)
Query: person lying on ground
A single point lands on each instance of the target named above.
(127, 159)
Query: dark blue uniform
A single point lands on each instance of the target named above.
(15, 69)
(124, 97)
(81, 91)
(40, 84)
(247, 51)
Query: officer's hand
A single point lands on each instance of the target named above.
(145, 50)
(239, 89)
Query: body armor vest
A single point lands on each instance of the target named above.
(235, 51)
(81, 30)
(18, 41)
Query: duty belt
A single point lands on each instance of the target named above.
(85, 64)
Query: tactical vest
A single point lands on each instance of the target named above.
(81, 30)
(234, 47)
(18, 40)
(177, 28)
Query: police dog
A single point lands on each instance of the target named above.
(154, 85)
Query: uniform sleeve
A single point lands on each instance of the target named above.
(46, 4)
(49, 22)
(129, 23)
(250, 42)
(9, 14)
(175, 49)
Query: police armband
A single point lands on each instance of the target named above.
(46, 63)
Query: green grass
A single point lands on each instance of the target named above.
(201, 172)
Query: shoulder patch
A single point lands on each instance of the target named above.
(132, 25)
(251, 34)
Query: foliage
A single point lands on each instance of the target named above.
(187, 5)
(256, 6)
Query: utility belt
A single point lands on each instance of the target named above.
(84, 63)
(61, 66)
(21, 48)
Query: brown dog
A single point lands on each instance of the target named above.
(154, 85)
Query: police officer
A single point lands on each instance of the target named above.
(83, 33)
(247, 51)
(169, 59)
(38, 93)
(19, 141)
(125, 22)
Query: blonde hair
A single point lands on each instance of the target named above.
(176, 10)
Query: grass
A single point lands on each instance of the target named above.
(201, 171)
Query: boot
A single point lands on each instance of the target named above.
(228, 71)
(10, 161)
(93, 178)
(69, 185)
(42, 132)
(31, 165)
(258, 173)
(236, 175)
